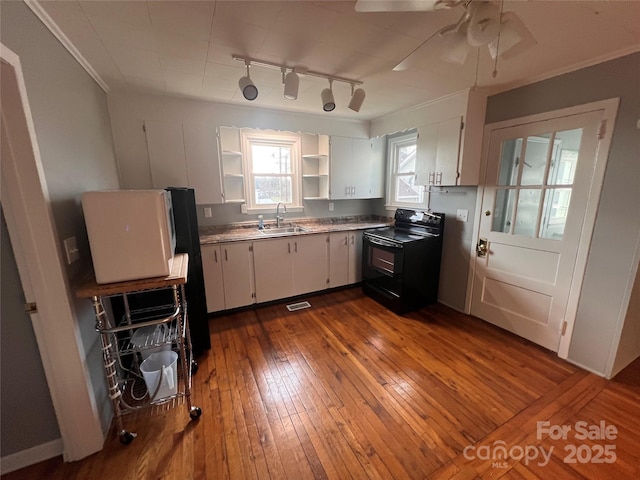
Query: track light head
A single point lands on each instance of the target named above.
(247, 87)
(291, 84)
(328, 102)
(357, 97)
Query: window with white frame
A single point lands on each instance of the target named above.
(402, 190)
(272, 163)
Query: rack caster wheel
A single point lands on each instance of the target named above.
(195, 412)
(194, 367)
(127, 437)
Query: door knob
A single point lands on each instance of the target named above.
(482, 247)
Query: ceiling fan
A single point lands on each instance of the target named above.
(482, 24)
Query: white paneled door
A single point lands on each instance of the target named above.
(538, 181)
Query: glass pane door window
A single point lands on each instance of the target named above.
(528, 199)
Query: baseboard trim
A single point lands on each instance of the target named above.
(31, 456)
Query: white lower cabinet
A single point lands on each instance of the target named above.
(273, 269)
(213, 282)
(237, 274)
(310, 263)
(228, 275)
(290, 266)
(345, 258)
(355, 256)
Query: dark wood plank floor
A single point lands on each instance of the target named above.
(347, 389)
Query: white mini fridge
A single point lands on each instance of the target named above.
(131, 233)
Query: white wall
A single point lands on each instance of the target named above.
(612, 263)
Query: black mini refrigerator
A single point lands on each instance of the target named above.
(188, 241)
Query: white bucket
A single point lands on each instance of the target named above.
(161, 368)
(151, 335)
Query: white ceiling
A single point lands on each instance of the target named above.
(185, 47)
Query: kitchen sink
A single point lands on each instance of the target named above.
(271, 232)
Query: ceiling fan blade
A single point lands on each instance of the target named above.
(407, 61)
(396, 5)
(514, 38)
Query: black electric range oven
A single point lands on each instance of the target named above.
(401, 264)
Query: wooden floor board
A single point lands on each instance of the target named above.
(346, 389)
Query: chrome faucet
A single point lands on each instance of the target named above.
(278, 217)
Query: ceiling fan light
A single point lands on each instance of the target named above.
(291, 85)
(248, 89)
(328, 102)
(357, 99)
(456, 48)
(509, 38)
(515, 38)
(484, 25)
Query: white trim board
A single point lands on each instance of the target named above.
(30, 456)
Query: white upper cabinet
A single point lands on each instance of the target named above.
(378, 162)
(231, 165)
(315, 166)
(203, 164)
(166, 154)
(450, 133)
(184, 155)
(438, 151)
(356, 168)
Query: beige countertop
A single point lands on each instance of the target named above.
(249, 231)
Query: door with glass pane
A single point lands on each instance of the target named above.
(537, 183)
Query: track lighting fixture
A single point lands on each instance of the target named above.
(328, 102)
(291, 81)
(248, 89)
(357, 97)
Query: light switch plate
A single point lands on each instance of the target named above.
(461, 215)
(71, 249)
(207, 212)
(331, 206)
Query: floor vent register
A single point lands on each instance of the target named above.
(298, 306)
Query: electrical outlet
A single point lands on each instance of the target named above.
(461, 215)
(207, 212)
(243, 208)
(71, 249)
(331, 206)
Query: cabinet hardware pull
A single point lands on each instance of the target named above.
(226, 256)
(439, 178)
(295, 245)
(288, 247)
(215, 256)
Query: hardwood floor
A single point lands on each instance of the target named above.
(347, 389)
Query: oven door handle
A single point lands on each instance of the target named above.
(383, 243)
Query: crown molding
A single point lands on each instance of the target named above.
(53, 27)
